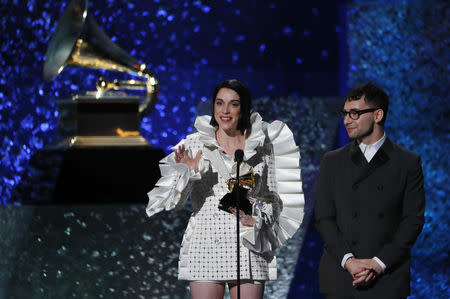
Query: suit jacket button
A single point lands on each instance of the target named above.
(380, 187)
(380, 215)
(354, 243)
(355, 215)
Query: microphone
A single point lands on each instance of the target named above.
(239, 155)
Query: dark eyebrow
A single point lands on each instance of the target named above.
(234, 100)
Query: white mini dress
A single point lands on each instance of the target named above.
(208, 250)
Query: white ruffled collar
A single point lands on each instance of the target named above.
(255, 139)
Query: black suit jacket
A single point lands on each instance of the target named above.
(369, 209)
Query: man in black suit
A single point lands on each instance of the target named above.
(369, 207)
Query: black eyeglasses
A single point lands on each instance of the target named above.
(355, 114)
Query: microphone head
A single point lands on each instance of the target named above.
(238, 155)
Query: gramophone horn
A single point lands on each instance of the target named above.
(79, 41)
(64, 38)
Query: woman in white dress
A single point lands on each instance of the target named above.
(202, 166)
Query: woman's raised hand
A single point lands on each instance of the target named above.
(181, 156)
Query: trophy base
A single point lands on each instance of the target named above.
(103, 141)
(108, 121)
(89, 175)
(84, 115)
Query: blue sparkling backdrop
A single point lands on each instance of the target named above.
(277, 48)
(404, 47)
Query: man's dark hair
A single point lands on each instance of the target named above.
(374, 96)
(245, 103)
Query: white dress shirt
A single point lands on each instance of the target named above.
(369, 150)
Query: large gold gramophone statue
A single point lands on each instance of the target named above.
(107, 116)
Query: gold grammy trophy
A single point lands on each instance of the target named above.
(97, 117)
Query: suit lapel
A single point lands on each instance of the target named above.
(367, 169)
(356, 155)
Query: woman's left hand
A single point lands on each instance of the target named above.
(246, 220)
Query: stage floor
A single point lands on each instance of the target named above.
(103, 251)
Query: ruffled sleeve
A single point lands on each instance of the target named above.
(280, 209)
(176, 182)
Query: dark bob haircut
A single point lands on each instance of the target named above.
(374, 96)
(245, 101)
